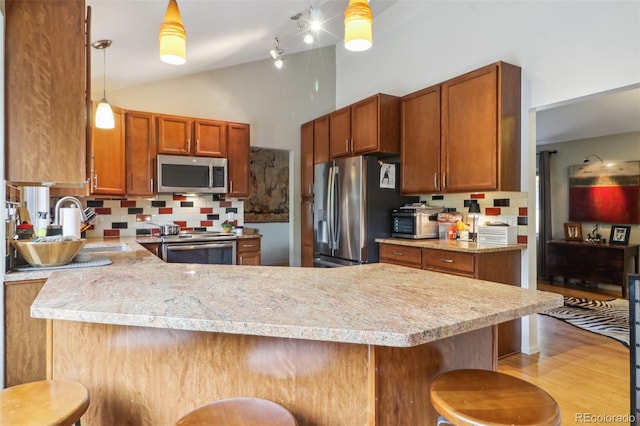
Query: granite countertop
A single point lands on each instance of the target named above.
(452, 245)
(379, 304)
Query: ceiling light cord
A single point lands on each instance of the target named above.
(586, 159)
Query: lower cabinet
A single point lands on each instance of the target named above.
(500, 266)
(25, 337)
(248, 251)
(154, 248)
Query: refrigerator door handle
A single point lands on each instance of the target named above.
(336, 200)
(330, 208)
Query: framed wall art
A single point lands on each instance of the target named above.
(573, 231)
(620, 234)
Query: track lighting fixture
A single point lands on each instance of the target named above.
(104, 114)
(303, 27)
(357, 26)
(173, 37)
(276, 53)
(586, 159)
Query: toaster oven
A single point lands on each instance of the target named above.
(415, 222)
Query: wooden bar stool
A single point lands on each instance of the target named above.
(46, 402)
(239, 412)
(482, 397)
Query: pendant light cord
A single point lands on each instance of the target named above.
(104, 74)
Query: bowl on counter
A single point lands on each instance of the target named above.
(49, 253)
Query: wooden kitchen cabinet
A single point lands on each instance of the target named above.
(306, 160)
(481, 130)
(155, 248)
(238, 152)
(420, 142)
(321, 140)
(45, 92)
(140, 148)
(191, 136)
(498, 266)
(210, 137)
(108, 157)
(306, 235)
(463, 135)
(174, 135)
(248, 251)
(371, 125)
(25, 337)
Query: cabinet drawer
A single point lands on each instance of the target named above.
(448, 261)
(400, 255)
(248, 244)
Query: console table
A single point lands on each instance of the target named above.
(600, 263)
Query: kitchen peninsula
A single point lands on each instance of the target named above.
(344, 346)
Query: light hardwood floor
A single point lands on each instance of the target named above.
(587, 374)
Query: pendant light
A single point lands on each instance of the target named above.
(173, 37)
(104, 114)
(357, 26)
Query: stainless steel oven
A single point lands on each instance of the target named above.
(203, 248)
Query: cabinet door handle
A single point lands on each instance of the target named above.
(151, 182)
(446, 260)
(435, 180)
(230, 186)
(248, 245)
(444, 180)
(346, 144)
(95, 181)
(310, 189)
(398, 253)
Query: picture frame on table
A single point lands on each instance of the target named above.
(620, 234)
(572, 231)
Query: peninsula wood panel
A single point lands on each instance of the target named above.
(147, 376)
(25, 349)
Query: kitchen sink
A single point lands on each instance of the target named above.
(106, 248)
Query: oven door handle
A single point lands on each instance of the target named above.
(182, 247)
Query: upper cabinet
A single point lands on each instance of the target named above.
(108, 157)
(45, 92)
(464, 134)
(140, 143)
(188, 136)
(420, 141)
(368, 126)
(321, 140)
(306, 159)
(238, 152)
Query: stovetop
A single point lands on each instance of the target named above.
(198, 236)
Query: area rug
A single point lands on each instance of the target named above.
(606, 317)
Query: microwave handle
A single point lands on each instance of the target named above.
(211, 176)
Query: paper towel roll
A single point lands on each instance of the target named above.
(70, 221)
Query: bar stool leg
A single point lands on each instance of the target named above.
(444, 422)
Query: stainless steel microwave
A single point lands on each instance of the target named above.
(177, 173)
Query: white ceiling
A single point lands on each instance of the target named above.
(596, 115)
(220, 33)
(223, 33)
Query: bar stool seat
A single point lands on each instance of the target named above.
(239, 412)
(482, 397)
(45, 402)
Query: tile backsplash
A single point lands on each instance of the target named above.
(509, 207)
(139, 216)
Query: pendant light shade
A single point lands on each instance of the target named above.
(357, 26)
(104, 115)
(173, 37)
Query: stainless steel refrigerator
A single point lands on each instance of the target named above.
(351, 210)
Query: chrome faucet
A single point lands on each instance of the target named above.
(72, 200)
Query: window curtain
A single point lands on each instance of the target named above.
(545, 219)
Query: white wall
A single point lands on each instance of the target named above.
(275, 103)
(566, 49)
(625, 147)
